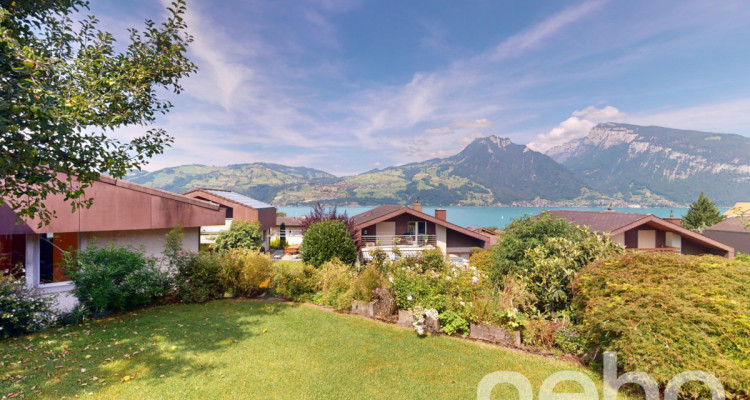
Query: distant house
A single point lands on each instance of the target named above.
(646, 232)
(292, 230)
(236, 206)
(732, 232)
(492, 234)
(738, 210)
(125, 213)
(412, 231)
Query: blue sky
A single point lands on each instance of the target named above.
(347, 86)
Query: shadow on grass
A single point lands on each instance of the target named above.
(164, 341)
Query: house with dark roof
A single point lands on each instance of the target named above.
(123, 213)
(646, 232)
(732, 232)
(288, 227)
(235, 206)
(412, 231)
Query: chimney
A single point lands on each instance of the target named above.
(676, 221)
(440, 214)
(417, 206)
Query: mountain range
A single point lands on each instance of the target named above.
(615, 164)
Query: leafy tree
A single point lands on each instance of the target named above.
(65, 88)
(702, 214)
(326, 240)
(241, 234)
(321, 213)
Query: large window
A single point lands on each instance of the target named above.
(52, 248)
(12, 253)
(416, 228)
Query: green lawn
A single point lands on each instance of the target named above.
(250, 349)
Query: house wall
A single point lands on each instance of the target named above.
(459, 240)
(739, 240)
(152, 241)
(441, 238)
(619, 239)
(691, 248)
(293, 234)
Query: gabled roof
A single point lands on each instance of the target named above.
(118, 206)
(599, 221)
(730, 225)
(386, 212)
(289, 221)
(233, 197)
(610, 222)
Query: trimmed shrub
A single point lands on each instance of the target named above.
(111, 278)
(245, 272)
(242, 234)
(22, 310)
(197, 277)
(293, 280)
(666, 313)
(326, 240)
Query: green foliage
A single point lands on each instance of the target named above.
(172, 246)
(451, 322)
(666, 313)
(22, 310)
(335, 281)
(742, 257)
(367, 283)
(111, 278)
(64, 86)
(276, 244)
(245, 272)
(196, 277)
(568, 340)
(482, 260)
(294, 280)
(545, 253)
(701, 214)
(242, 234)
(326, 240)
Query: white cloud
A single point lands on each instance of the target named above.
(533, 37)
(592, 113)
(439, 131)
(577, 126)
(478, 123)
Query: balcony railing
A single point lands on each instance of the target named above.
(657, 250)
(399, 240)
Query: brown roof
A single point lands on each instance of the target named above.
(615, 223)
(375, 213)
(598, 221)
(382, 213)
(288, 221)
(118, 206)
(730, 225)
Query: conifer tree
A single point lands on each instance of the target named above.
(702, 214)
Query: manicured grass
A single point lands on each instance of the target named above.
(250, 349)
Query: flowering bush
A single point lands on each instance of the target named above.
(568, 340)
(22, 309)
(245, 272)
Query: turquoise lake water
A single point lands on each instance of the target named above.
(494, 216)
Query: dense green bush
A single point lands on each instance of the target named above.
(245, 272)
(241, 234)
(22, 310)
(111, 278)
(335, 280)
(294, 280)
(197, 277)
(666, 313)
(326, 240)
(451, 322)
(742, 257)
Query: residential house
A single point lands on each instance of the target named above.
(741, 209)
(494, 235)
(236, 206)
(732, 232)
(292, 230)
(411, 231)
(123, 213)
(646, 232)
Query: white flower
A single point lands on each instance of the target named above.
(447, 278)
(474, 280)
(408, 298)
(462, 304)
(390, 278)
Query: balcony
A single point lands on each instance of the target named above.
(389, 241)
(657, 250)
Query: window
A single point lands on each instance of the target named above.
(52, 248)
(416, 228)
(12, 253)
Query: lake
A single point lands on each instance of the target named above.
(494, 216)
